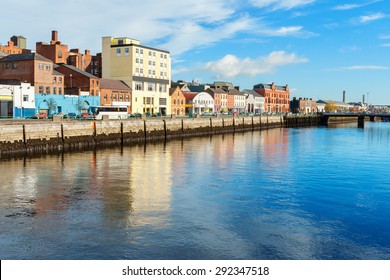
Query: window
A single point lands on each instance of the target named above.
(136, 50)
(55, 79)
(137, 60)
(126, 51)
(141, 51)
(105, 98)
(150, 63)
(14, 65)
(120, 98)
(118, 52)
(25, 98)
(141, 71)
(154, 63)
(60, 90)
(54, 90)
(139, 86)
(141, 61)
(47, 89)
(150, 86)
(59, 54)
(40, 66)
(60, 79)
(7, 66)
(163, 101)
(40, 89)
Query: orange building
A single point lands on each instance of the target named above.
(55, 51)
(277, 98)
(178, 101)
(115, 92)
(10, 48)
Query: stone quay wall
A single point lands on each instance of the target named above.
(44, 136)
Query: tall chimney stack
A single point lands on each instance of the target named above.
(344, 96)
(364, 99)
(54, 36)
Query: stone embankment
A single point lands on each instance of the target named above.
(44, 137)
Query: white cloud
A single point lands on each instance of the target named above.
(345, 7)
(280, 4)
(293, 31)
(362, 67)
(372, 17)
(231, 66)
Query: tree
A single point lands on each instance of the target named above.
(80, 105)
(330, 107)
(52, 105)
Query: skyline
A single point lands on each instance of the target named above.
(319, 48)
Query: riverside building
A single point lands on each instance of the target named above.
(145, 69)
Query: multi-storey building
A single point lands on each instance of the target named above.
(79, 82)
(114, 92)
(19, 41)
(60, 54)
(220, 99)
(34, 69)
(303, 105)
(239, 101)
(145, 69)
(277, 98)
(178, 101)
(254, 102)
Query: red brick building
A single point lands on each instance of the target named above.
(79, 82)
(34, 69)
(60, 54)
(277, 98)
(303, 105)
(55, 51)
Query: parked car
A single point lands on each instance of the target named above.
(83, 116)
(70, 116)
(40, 116)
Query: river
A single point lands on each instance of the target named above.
(305, 193)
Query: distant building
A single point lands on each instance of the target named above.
(277, 98)
(10, 48)
(303, 105)
(340, 106)
(239, 101)
(19, 41)
(146, 70)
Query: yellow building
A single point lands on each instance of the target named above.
(146, 70)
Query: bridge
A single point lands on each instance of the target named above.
(327, 118)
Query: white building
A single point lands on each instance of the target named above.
(16, 99)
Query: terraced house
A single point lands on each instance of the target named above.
(146, 70)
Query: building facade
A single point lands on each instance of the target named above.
(11, 48)
(277, 98)
(115, 93)
(34, 69)
(16, 99)
(303, 106)
(178, 101)
(145, 69)
(220, 99)
(79, 82)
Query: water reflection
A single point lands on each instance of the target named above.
(274, 194)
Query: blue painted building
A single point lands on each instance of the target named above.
(65, 104)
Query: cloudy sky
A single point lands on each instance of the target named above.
(318, 47)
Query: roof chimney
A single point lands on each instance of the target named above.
(54, 36)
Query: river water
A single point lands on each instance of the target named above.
(308, 193)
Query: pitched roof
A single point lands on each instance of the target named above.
(113, 84)
(189, 96)
(24, 56)
(252, 92)
(77, 70)
(235, 91)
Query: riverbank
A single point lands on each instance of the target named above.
(44, 137)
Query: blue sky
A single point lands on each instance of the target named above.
(319, 48)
